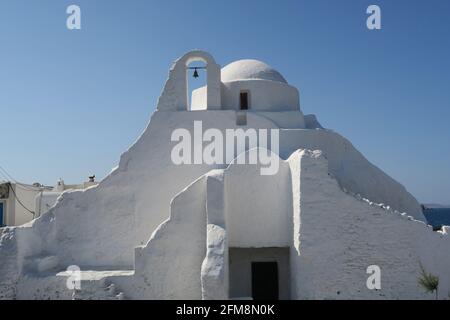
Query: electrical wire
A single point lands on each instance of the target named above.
(7, 175)
(4, 176)
(18, 200)
(22, 186)
(9, 178)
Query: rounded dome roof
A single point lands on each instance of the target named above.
(250, 69)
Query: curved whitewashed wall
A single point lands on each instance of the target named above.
(285, 119)
(264, 95)
(198, 99)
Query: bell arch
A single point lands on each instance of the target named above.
(175, 94)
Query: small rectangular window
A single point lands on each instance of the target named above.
(244, 100)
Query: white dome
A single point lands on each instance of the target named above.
(250, 69)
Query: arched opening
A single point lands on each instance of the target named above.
(175, 95)
(196, 84)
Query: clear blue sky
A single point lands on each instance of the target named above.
(72, 101)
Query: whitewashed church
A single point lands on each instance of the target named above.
(156, 229)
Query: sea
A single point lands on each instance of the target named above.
(437, 217)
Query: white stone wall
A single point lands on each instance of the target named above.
(351, 168)
(169, 265)
(45, 200)
(215, 273)
(340, 235)
(285, 119)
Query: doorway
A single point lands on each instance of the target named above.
(244, 100)
(259, 273)
(265, 281)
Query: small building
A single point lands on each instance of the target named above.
(20, 203)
